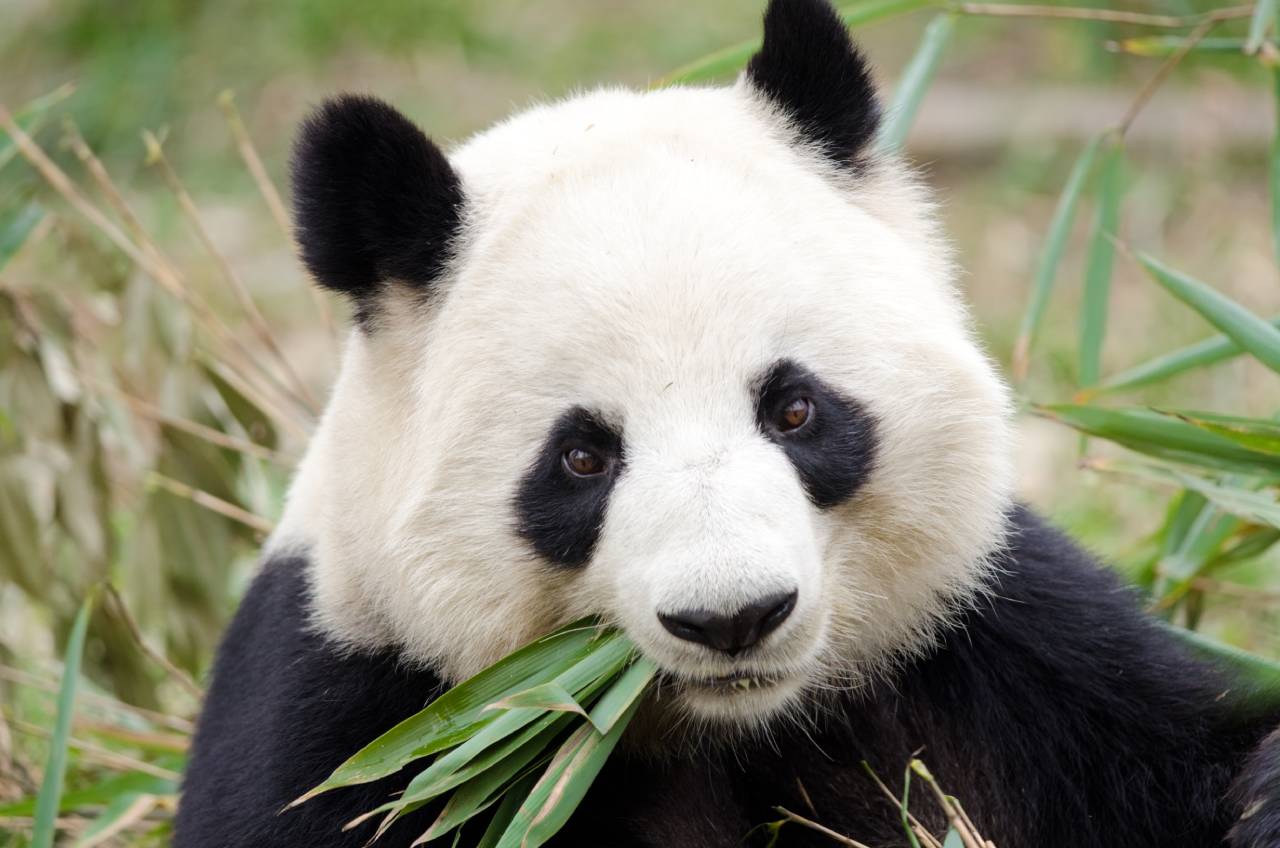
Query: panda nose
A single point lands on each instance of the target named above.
(734, 633)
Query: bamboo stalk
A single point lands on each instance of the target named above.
(824, 830)
(25, 678)
(104, 756)
(160, 271)
(252, 161)
(268, 405)
(1157, 79)
(155, 655)
(156, 157)
(1018, 10)
(213, 503)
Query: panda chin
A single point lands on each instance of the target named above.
(743, 697)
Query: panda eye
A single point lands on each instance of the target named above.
(794, 415)
(582, 463)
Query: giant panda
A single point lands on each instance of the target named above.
(692, 360)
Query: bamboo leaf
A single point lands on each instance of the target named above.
(915, 81)
(1264, 18)
(456, 715)
(1258, 507)
(953, 840)
(16, 229)
(1160, 46)
(1259, 669)
(31, 117)
(1258, 434)
(506, 811)
(1162, 436)
(622, 694)
(1202, 354)
(564, 784)
(1051, 255)
(1097, 278)
(55, 770)
(731, 59)
(546, 696)
(1275, 165)
(1246, 329)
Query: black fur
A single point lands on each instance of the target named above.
(810, 67)
(561, 515)
(374, 199)
(835, 450)
(1057, 713)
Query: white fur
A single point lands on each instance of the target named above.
(650, 255)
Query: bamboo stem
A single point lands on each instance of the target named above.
(213, 503)
(156, 157)
(252, 161)
(1017, 10)
(824, 830)
(155, 655)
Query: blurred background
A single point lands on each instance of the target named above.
(162, 356)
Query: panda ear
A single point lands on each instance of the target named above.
(374, 200)
(809, 67)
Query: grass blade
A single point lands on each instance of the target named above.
(1202, 354)
(49, 799)
(456, 715)
(915, 81)
(1243, 327)
(1097, 278)
(731, 59)
(1051, 255)
(1264, 18)
(1162, 436)
(15, 231)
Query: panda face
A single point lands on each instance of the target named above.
(684, 372)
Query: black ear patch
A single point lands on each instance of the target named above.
(810, 67)
(373, 199)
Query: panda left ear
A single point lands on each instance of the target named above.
(374, 200)
(809, 67)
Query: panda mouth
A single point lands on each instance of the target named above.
(739, 682)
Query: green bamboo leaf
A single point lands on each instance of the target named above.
(16, 228)
(731, 59)
(1162, 436)
(1097, 278)
(55, 770)
(1258, 434)
(506, 811)
(507, 732)
(953, 840)
(1251, 666)
(31, 117)
(1275, 165)
(457, 714)
(1051, 255)
(486, 788)
(1257, 507)
(1160, 46)
(546, 696)
(98, 794)
(1264, 18)
(564, 784)
(1246, 329)
(915, 81)
(622, 694)
(1202, 354)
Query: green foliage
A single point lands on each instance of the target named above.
(146, 439)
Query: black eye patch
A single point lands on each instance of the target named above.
(558, 512)
(834, 450)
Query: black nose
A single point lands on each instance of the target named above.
(731, 633)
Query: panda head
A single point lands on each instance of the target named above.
(689, 360)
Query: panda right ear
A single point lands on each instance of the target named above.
(373, 199)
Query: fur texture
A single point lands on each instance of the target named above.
(652, 277)
(1057, 713)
